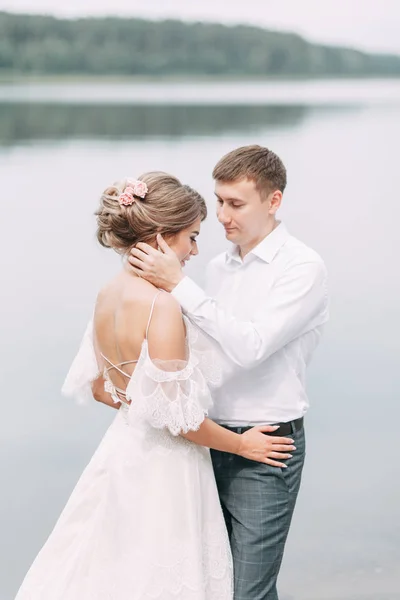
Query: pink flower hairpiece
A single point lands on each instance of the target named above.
(134, 188)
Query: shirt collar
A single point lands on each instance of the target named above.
(267, 249)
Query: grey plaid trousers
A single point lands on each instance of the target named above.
(258, 502)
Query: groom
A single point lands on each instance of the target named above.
(265, 304)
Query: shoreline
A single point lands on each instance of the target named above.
(35, 78)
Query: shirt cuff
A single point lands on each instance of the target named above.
(189, 294)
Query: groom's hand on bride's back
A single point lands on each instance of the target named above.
(257, 445)
(160, 267)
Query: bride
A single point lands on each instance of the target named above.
(144, 521)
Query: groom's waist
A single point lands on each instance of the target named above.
(285, 428)
(236, 410)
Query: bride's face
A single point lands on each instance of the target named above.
(184, 243)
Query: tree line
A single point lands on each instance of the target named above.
(31, 44)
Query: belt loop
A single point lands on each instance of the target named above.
(293, 426)
(239, 429)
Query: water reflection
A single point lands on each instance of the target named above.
(32, 122)
(52, 269)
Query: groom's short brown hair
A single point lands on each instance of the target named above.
(256, 163)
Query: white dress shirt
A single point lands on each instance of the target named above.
(266, 312)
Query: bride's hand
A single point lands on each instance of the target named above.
(100, 395)
(255, 445)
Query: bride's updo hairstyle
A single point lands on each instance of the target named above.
(136, 210)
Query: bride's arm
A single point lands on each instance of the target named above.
(253, 444)
(167, 345)
(100, 395)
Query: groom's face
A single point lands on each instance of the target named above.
(245, 216)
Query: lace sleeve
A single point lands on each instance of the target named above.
(174, 394)
(83, 371)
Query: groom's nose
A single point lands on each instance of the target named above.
(223, 215)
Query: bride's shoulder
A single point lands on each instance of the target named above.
(166, 310)
(127, 292)
(151, 298)
(109, 290)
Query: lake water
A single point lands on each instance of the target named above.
(340, 142)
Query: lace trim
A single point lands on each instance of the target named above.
(109, 387)
(83, 371)
(178, 400)
(203, 349)
(185, 412)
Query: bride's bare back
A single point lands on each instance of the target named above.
(121, 323)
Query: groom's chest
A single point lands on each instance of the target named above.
(244, 289)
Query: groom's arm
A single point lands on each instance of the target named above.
(296, 304)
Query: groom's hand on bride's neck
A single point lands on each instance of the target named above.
(160, 267)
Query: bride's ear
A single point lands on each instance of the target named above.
(153, 243)
(163, 245)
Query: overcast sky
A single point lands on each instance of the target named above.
(367, 24)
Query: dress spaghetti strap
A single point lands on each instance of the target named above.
(117, 366)
(151, 312)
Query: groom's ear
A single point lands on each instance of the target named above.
(275, 200)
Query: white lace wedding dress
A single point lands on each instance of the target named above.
(144, 521)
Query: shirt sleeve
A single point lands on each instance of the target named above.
(297, 303)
